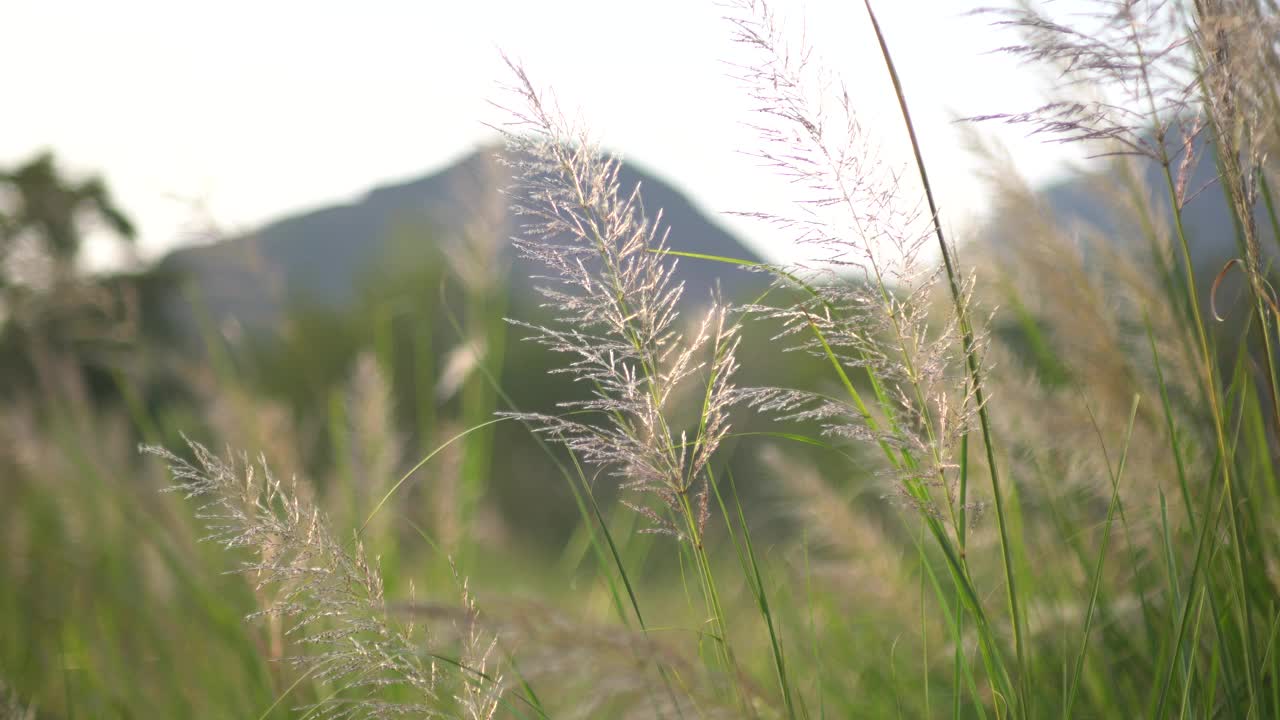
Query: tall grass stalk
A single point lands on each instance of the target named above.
(616, 305)
(973, 362)
(923, 421)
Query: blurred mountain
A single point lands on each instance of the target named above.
(1207, 219)
(320, 257)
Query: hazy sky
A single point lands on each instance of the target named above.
(247, 110)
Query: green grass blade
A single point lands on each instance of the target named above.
(1116, 475)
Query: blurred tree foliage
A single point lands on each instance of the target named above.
(418, 317)
(65, 332)
(49, 309)
(52, 210)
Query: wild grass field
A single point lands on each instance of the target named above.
(1029, 473)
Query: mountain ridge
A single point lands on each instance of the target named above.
(320, 256)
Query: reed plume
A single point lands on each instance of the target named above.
(328, 593)
(616, 305)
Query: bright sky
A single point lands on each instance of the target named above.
(242, 111)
